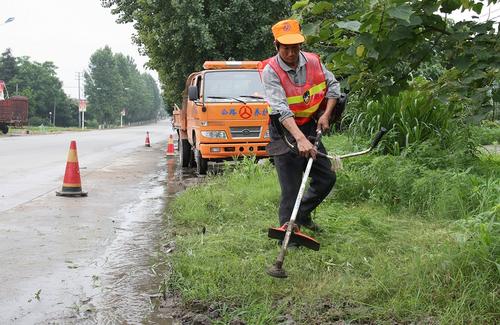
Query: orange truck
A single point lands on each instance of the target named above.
(223, 116)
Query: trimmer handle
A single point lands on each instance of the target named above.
(318, 138)
(378, 137)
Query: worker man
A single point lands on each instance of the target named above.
(295, 84)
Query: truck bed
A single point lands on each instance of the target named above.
(14, 111)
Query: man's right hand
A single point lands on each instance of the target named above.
(304, 146)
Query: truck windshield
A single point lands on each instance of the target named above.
(228, 86)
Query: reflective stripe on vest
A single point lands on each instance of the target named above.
(303, 100)
(313, 90)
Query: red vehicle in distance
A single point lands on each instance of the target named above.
(13, 110)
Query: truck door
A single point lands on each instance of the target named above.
(197, 83)
(194, 110)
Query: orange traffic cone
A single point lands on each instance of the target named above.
(147, 143)
(170, 146)
(72, 184)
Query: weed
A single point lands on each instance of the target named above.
(37, 294)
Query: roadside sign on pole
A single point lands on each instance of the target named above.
(82, 105)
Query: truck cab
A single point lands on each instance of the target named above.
(223, 116)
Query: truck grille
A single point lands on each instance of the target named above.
(245, 132)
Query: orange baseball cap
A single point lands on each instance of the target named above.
(288, 32)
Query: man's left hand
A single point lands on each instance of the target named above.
(324, 123)
(324, 119)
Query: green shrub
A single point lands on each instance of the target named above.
(36, 121)
(411, 117)
(487, 133)
(91, 124)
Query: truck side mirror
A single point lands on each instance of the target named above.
(193, 93)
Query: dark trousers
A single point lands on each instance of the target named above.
(290, 168)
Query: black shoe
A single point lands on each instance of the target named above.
(311, 225)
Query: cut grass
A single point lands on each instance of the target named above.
(376, 264)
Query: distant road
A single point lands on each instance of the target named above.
(33, 165)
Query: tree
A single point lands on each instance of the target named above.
(113, 84)
(380, 49)
(8, 67)
(157, 101)
(104, 87)
(178, 36)
(39, 82)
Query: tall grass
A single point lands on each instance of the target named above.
(487, 133)
(405, 186)
(411, 117)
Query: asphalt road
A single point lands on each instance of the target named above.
(82, 260)
(31, 166)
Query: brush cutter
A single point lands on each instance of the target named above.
(284, 233)
(290, 232)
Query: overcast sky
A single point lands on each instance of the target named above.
(67, 32)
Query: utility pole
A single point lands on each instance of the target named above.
(78, 75)
(84, 106)
(54, 115)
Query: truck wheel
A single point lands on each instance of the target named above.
(184, 152)
(201, 163)
(4, 128)
(192, 160)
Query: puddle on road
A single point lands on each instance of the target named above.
(127, 276)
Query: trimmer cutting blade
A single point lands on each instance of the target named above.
(277, 271)
(297, 237)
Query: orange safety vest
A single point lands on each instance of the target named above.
(303, 100)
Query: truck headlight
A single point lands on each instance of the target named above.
(214, 134)
(266, 135)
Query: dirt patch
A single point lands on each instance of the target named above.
(325, 312)
(195, 313)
